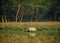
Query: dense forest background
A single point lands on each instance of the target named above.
(29, 10)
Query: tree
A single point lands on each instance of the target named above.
(18, 10)
(6, 6)
(3, 11)
(29, 10)
(36, 4)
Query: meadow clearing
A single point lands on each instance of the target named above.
(10, 32)
(38, 25)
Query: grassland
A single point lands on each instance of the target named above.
(17, 37)
(38, 25)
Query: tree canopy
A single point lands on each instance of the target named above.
(30, 10)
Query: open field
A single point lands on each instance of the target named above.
(18, 38)
(38, 25)
(12, 32)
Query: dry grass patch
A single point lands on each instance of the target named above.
(39, 25)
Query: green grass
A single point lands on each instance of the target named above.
(13, 32)
(48, 32)
(19, 27)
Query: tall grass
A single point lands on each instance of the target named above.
(24, 25)
(23, 37)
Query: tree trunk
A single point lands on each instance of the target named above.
(36, 17)
(3, 1)
(21, 18)
(18, 11)
(50, 17)
(2, 19)
(5, 19)
(32, 14)
(31, 19)
(55, 17)
(36, 14)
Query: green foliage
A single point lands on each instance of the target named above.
(29, 8)
(11, 4)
